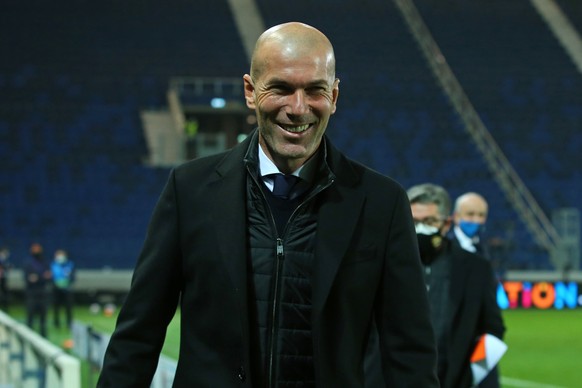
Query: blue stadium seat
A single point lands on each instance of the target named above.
(72, 174)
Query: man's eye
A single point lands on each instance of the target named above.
(316, 90)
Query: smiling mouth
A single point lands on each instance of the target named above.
(296, 129)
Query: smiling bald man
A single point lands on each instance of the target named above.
(281, 253)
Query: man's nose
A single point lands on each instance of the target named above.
(299, 103)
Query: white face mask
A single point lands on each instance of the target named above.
(426, 229)
(60, 258)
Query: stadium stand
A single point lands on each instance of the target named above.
(72, 87)
(526, 89)
(73, 172)
(512, 68)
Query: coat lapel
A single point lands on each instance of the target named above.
(230, 223)
(337, 219)
(228, 200)
(227, 193)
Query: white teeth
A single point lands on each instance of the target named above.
(298, 129)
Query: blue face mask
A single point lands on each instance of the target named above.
(471, 229)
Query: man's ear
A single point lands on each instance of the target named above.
(456, 218)
(335, 95)
(249, 91)
(447, 223)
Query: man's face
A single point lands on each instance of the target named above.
(293, 97)
(472, 209)
(428, 214)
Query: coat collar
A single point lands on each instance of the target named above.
(341, 206)
(338, 216)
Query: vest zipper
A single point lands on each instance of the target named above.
(275, 312)
(271, 375)
(277, 289)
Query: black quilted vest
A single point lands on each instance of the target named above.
(280, 287)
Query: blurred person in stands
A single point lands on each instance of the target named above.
(279, 277)
(5, 267)
(460, 284)
(469, 217)
(37, 277)
(63, 272)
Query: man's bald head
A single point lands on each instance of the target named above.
(471, 207)
(291, 39)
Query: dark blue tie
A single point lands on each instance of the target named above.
(283, 184)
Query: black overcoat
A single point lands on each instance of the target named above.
(195, 254)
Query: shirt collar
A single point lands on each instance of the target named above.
(306, 172)
(466, 242)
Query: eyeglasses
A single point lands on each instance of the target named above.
(430, 221)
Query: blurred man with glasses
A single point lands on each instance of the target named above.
(460, 285)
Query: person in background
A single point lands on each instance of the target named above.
(460, 285)
(281, 252)
(469, 218)
(63, 272)
(37, 277)
(5, 267)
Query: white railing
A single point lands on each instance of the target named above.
(90, 345)
(29, 360)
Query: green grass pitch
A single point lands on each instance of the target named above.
(545, 346)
